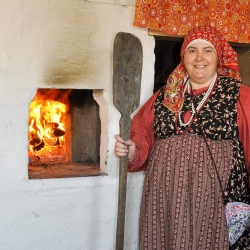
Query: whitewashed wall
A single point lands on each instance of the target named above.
(63, 44)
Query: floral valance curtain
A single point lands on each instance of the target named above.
(176, 17)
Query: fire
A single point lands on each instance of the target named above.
(47, 126)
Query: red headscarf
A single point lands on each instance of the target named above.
(227, 64)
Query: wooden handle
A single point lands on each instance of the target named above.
(125, 123)
(121, 203)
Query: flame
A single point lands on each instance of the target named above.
(47, 122)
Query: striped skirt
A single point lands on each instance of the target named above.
(182, 205)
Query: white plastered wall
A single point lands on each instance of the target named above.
(63, 44)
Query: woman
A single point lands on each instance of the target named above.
(192, 138)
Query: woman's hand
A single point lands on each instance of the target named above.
(123, 148)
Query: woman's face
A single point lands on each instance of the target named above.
(200, 61)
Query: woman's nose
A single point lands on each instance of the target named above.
(199, 56)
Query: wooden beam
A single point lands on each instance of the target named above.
(159, 35)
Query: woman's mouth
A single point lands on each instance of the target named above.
(200, 66)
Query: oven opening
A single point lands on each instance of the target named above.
(64, 130)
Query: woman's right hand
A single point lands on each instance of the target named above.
(123, 148)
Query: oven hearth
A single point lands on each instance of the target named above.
(64, 134)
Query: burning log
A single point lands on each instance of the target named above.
(39, 146)
(59, 132)
(55, 130)
(35, 141)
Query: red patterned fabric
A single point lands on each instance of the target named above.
(227, 64)
(177, 17)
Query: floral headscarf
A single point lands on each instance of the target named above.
(227, 64)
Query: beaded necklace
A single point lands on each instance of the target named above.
(200, 105)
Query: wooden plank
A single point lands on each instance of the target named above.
(163, 36)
